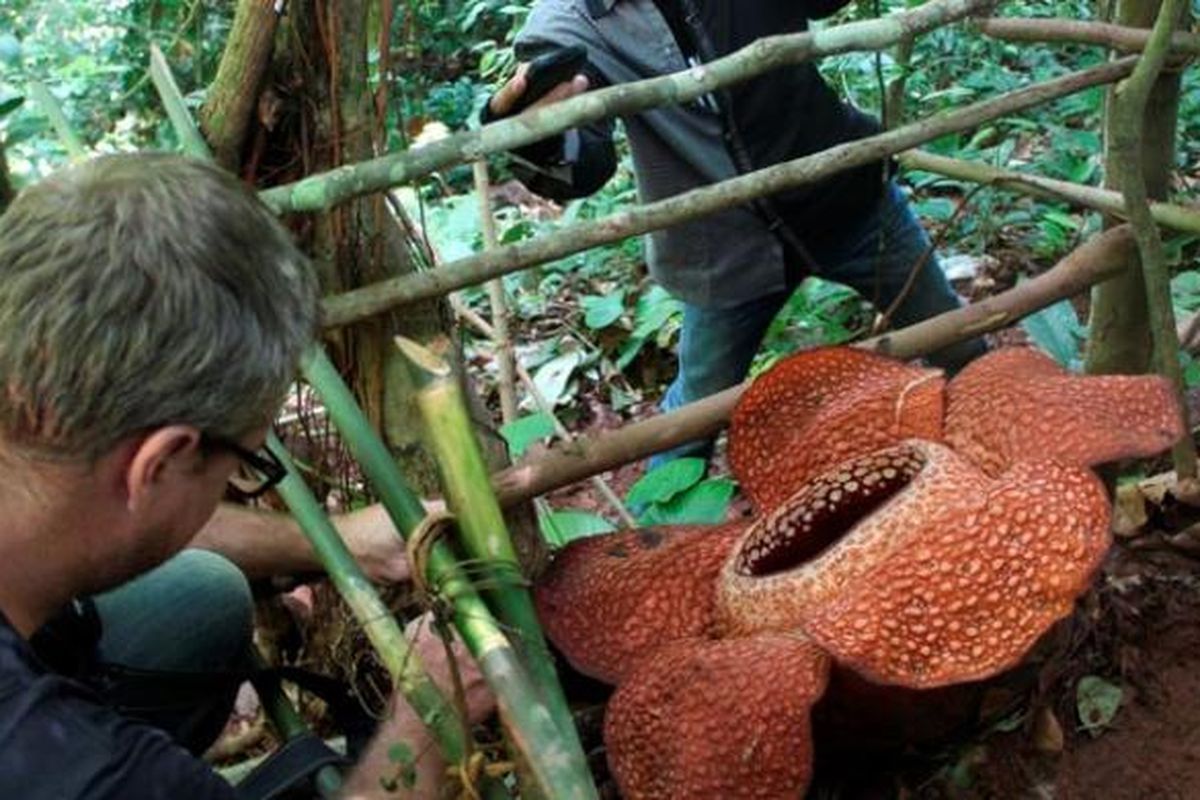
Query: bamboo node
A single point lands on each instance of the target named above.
(424, 536)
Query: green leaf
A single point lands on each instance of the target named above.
(665, 481)
(552, 377)
(520, 433)
(560, 528)
(1056, 329)
(401, 754)
(600, 311)
(705, 503)
(10, 104)
(1097, 702)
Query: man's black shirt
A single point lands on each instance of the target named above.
(785, 113)
(59, 742)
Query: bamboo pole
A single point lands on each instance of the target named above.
(58, 120)
(327, 189)
(501, 665)
(407, 674)
(377, 621)
(1098, 259)
(1116, 37)
(1180, 218)
(190, 139)
(376, 298)
(1129, 107)
(545, 728)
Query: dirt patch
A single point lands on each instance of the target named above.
(1140, 630)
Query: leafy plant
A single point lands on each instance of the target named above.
(1057, 330)
(677, 493)
(561, 527)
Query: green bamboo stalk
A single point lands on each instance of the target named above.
(406, 511)
(555, 757)
(405, 508)
(52, 109)
(190, 139)
(377, 621)
(467, 486)
(288, 722)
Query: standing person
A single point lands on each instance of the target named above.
(152, 315)
(734, 269)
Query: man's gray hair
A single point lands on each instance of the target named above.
(143, 290)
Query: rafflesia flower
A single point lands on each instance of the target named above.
(916, 532)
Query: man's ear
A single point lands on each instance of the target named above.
(156, 459)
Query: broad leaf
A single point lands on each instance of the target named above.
(560, 528)
(600, 311)
(705, 503)
(1097, 701)
(520, 433)
(1056, 330)
(665, 481)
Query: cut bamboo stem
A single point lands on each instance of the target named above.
(327, 189)
(406, 511)
(1128, 109)
(58, 120)
(545, 729)
(1177, 217)
(381, 628)
(1098, 259)
(378, 297)
(190, 139)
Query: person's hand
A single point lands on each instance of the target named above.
(502, 101)
(374, 542)
(430, 648)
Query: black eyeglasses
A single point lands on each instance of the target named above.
(260, 471)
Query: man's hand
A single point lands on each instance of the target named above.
(431, 650)
(373, 541)
(505, 99)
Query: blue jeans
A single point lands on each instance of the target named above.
(191, 614)
(717, 345)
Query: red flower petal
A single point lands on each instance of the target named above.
(724, 719)
(938, 577)
(823, 406)
(608, 600)
(1017, 404)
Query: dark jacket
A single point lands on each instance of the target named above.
(732, 256)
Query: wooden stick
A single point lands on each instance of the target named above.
(1097, 259)
(376, 298)
(1180, 218)
(318, 192)
(1116, 37)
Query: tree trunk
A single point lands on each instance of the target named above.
(1120, 339)
(229, 106)
(359, 242)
